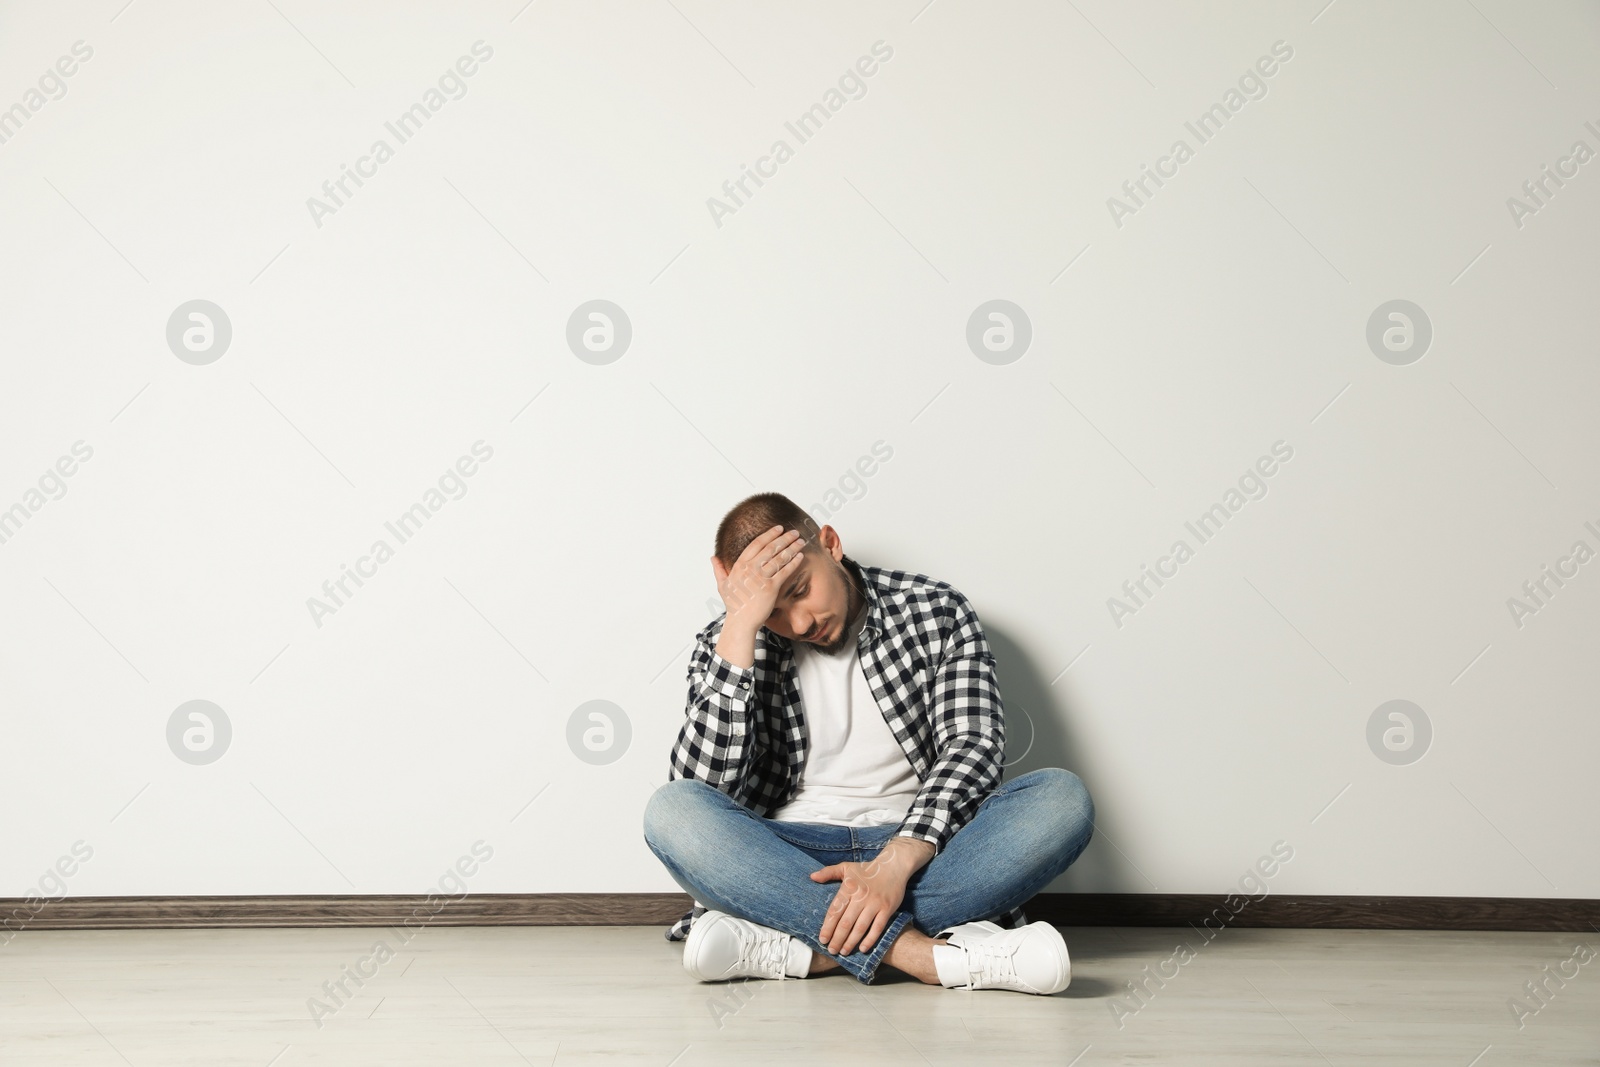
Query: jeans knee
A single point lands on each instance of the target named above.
(1068, 799)
(670, 808)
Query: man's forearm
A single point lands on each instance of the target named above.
(905, 855)
(737, 643)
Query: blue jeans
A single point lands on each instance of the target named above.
(1023, 835)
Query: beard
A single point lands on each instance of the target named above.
(854, 601)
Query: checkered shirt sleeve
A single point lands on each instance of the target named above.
(713, 745)
(968, 729)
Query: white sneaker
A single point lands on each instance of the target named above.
(982, 955)
(722, 946)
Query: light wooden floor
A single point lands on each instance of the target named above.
(569, 996)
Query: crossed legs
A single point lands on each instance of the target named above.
(1023, 835)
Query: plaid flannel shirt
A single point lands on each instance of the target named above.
(924, 655)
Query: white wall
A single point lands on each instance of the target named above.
(1171, 347)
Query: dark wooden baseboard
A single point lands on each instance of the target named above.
(1307, 912)
(477, 909)
(652, 909)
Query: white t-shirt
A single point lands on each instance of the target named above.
(856, 773)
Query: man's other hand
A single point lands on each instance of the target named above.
(869, 894)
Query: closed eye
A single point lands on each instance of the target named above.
(794, 594)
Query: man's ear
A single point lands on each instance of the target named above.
(823, 544)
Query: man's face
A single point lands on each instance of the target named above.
(818, 602)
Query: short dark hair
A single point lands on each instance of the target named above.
(754, 516)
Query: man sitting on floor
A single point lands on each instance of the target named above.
(844, 725)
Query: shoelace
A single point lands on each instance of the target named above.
(990, 963)
(768, 956)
